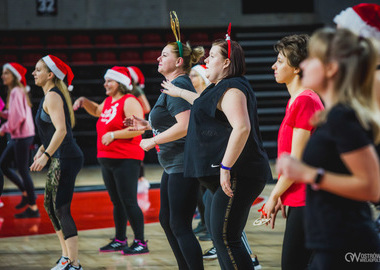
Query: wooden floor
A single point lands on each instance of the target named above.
(42, 251)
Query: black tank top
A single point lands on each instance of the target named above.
(209, 132)
(46, 129)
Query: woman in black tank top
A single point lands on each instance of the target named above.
(54, 120)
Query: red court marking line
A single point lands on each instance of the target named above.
(91, 210)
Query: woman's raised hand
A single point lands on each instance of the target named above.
(170, 89)
(136, 124)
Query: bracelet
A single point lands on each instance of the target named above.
(225, 168)
(318, 179)
(47, 154)
(112, 136)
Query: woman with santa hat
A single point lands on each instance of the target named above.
(55, 120)
(119, 155)
(20, 127)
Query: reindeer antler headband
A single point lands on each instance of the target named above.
(228, 39)
(175, 27)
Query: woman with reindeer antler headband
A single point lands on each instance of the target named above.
(169, 120)
(224, 148)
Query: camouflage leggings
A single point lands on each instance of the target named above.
(59, 191)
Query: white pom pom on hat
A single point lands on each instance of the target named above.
(201, 69)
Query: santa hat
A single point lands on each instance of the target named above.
(201, 69)
(121, 75)
(137, 76)
(362, 19)
(59, 68)
(19, 71)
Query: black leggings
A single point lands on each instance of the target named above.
(226, 217)
(295, 255)
(178, 203)
(120, 178)
(59, 192)
(18, 150)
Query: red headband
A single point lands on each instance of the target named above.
(228, 39)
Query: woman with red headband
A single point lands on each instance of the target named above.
(55, 120)
(20, 127)
(224, 149)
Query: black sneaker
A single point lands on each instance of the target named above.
(114, 246)
(138, 247)
(210, 254)
(201, 228)
(28, 213)
(256, 263)
(23, 203)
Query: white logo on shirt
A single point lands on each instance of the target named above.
(109, 114)
(214, 166)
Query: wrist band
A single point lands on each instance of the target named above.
(318, 179)
(224, 167)
(112, 136)
(47, 154)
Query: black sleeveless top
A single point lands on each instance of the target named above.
(209, 132)
(46, 129)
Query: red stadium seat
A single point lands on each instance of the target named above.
(30, 59)
(56, 41)
(152, 40)
(6, 58)
(150, 56)
(199, 38)
(130, 57)
(80, 41)
(82, 58)
(106, 57)
(129, 40)
(105, 41)
(32, 42)
(7, 42)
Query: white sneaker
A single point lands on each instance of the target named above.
(61, 263)
(143, 186)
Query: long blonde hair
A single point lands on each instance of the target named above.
(356, 58)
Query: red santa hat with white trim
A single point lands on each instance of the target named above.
(60, 69)
(201, 69)
(137, 76)
(362, 19)
(19, 71)
(121, 75)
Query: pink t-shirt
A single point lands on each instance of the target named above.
(20, 122)
(297, 115)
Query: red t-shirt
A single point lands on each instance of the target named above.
(111, 119)
(297, 115)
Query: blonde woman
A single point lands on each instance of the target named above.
(54, 120)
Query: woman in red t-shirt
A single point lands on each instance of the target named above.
(294, 132)
(119, 155)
